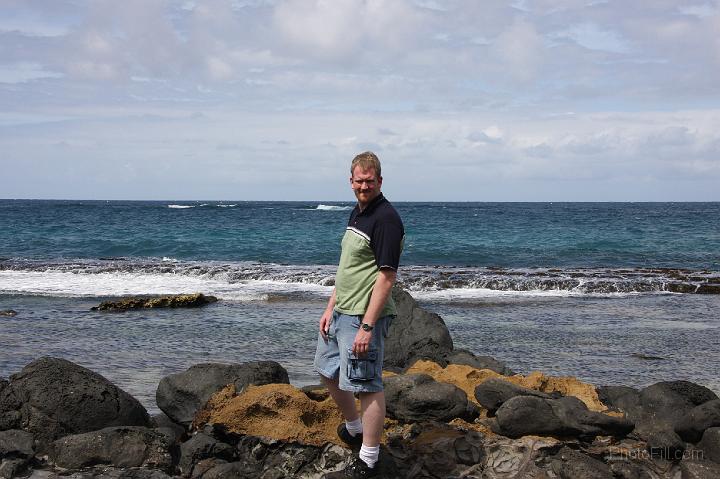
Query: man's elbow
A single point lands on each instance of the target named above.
(388, 275)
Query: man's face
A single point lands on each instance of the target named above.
(366, 185)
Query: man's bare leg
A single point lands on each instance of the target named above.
(373, 417)
(344, 399)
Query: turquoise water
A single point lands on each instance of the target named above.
(514, 235)
(570, 288)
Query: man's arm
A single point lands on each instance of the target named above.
(326, 317)
(380, 294)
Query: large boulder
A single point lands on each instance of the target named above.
(415, 334)
(418, 397)
(492, 393)
(59, 398)
(564, 417)
(182, 395)
(691, 425)
(658, 408)
(116, 446)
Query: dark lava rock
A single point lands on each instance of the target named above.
(8, 313)
(571, 464)
(418, 397)
(170, 301)
(564, 417)
(199, 447)
(620, 398)
(9, 407)
(437, 450)
(691, 426)
(105, 472)
(710, 444)
(665, 444)
(708, 289)
(16, 444)
(658, 407)
(174, 431)
(492, 393)
(59, 398)
(260, 457)
(13, 467)
(415, 334)
(116, 446)
(699, 470)
(467, 358)
(182, 395)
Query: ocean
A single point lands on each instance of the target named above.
(592, 290)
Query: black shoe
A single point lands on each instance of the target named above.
(356, 469)
(348, 438)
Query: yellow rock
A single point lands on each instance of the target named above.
(278, 411)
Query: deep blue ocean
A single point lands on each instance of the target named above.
(583, 289)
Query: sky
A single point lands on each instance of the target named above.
(462, 100)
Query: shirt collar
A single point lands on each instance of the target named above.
(372, 205)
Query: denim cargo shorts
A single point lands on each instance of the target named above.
(334, 356)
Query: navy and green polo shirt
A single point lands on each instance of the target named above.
(373, 241)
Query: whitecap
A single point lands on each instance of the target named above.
(333, 207)
(180, 207)
(227, 206)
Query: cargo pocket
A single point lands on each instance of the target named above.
(361, 368)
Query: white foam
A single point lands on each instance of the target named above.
(69, 284)
(180, 207)
(448, 295)
(227, 206)
(333, 208)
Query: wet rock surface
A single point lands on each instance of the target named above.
(171, 301)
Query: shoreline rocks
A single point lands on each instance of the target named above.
(434, 429)
(450, 414)
(170, 301)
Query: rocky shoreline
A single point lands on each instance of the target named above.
(451, 414)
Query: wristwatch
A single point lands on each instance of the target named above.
(367, 327)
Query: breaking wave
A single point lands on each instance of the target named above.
(250, 281)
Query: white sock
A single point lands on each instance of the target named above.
(370, 455)
(354, 427)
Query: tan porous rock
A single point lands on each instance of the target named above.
(277, 411)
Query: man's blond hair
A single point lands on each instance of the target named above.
(366, 161)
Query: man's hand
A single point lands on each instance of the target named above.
(325, 321)
(361, 345)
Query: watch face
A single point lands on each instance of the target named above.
(366, 327)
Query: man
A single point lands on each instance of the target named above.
(353, 327)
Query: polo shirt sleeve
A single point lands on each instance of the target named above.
(386, 243)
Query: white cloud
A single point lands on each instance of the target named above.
(472, 89)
